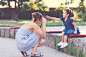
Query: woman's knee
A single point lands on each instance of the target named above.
(42, 42)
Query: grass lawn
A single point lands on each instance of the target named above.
(49, 23)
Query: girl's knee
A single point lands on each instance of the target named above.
(62, 32)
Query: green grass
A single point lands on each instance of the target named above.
(6, 20)
(49, 23)
(80, 54)
(19, 23)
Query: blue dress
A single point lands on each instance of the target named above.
(69, 28)
(26, 39)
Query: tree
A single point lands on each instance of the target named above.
(67, 2)
(16, 10)
(81, 6)
(34, 5)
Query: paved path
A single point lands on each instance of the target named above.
(9, 49)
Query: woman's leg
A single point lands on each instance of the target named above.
(36, 46)
(41, 43)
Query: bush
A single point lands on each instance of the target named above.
(80, 54)
(58, 47)
(72, 51)
(82, 15)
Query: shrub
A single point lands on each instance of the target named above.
(80, 54)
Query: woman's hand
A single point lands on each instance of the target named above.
(75, 32)
(44, 19)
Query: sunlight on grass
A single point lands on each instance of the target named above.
(57, 21)
(1, 24)
(49, 21)
(23, 21)
(78, 19)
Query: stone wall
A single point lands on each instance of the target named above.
(74, 47)
(7, 32)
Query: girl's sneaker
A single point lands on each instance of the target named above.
(64, 45)
(59, 44)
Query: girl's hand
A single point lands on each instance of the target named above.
(75, 32)
(47, 17)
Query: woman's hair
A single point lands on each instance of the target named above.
(68, 12)
(36, 15)
(72, 14)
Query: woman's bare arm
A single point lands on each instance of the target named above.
(41, 31)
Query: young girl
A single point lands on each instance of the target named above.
(70, 26)
(30, 35)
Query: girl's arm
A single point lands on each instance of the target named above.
(75, 32)
(53, 18)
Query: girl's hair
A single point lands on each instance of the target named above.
(36, 15)
(72, 14)
(68, 12)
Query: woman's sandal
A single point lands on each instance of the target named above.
(24, 54)
(36, 55)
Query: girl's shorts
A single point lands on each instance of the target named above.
(70, 31)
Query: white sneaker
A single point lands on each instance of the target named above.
(64, 45)
(59, 44)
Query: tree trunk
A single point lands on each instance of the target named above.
(44, 13)
(15, 16)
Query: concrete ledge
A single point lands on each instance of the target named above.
(51, 40)
(77, 43)
(7, 32)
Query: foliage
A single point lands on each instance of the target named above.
(82, 6)
(59, 11)
(80, 54)
(24, 9)
(2, 13)
(82, 15)
(33, 5)
(69, 50)
(59, 8)
(72, 51)
(17, 8)
(58, 47)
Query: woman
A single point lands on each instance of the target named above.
(30, 35)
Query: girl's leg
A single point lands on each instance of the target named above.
(61, 43)
(62, 36)
(65, 42)
(65, 38)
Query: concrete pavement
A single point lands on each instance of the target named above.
(9, 49)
